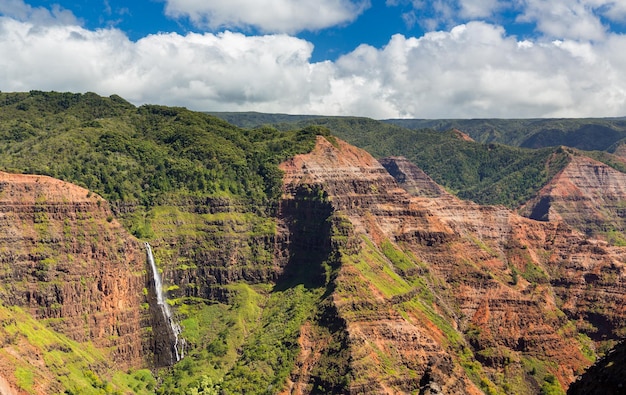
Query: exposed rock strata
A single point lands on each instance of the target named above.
(412, 178)
(66, 261)
(512, 290)
(587, 195)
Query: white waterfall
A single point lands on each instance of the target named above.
(165, 307)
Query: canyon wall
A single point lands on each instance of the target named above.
(70, 272)
(446, 293)
(409, 288)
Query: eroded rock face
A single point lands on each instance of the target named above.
(66, 261)
(587, 195)
(443, 293)
(411, 178)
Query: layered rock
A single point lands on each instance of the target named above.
(587, 195)
(412, 178)
(67, 262)
(211, 242)
(445, 293)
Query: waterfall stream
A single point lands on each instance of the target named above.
(179, 343)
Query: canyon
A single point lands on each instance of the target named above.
(405, 287)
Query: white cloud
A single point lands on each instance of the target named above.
(572, 19)
(475, 70)
(564, 19)
(288, 16)
(471, 70)
(40, 15)
(471, 9)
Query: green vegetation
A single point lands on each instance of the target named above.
(582, 133)
(146, 155)
(534, 274)
(268, 356)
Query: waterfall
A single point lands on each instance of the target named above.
(179, 343)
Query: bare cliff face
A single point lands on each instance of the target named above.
(587, 195)
(71, 281)
(441, 294)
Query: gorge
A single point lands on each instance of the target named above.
(261, 261)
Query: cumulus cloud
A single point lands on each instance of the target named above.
(40, 15)
(471, 9)
(471, 70)
(286, 16)
(565, 19)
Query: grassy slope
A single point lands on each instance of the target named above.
(29, 343)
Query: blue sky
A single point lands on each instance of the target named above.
(382, 59)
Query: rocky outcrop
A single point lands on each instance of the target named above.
(587, 195)
(374, 205)
(68, 263)
(411, 178)
(446, 294)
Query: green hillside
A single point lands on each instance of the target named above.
(141, 154)
(584, 133)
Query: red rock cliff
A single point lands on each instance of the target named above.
(66, 262)
(587, 195)
(442, 293)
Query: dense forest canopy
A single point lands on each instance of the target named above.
(141, 154)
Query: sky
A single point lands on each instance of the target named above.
(375, 58)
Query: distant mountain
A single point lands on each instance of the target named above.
(584, 133)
